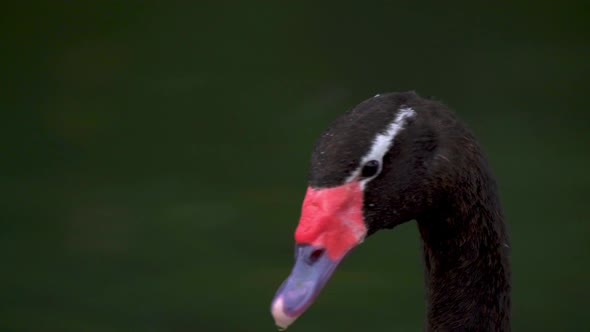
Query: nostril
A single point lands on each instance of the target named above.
(315, 255)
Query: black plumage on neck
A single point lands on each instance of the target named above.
(465, 248)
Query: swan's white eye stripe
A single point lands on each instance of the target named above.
(383, 141)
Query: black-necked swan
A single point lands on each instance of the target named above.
(393, 158)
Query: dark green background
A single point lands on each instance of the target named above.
(154, 156)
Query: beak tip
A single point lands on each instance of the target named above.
(282, 320)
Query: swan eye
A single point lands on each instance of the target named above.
(370, 169)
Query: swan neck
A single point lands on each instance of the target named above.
(467, 271)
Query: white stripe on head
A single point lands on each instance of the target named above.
(382, 142)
